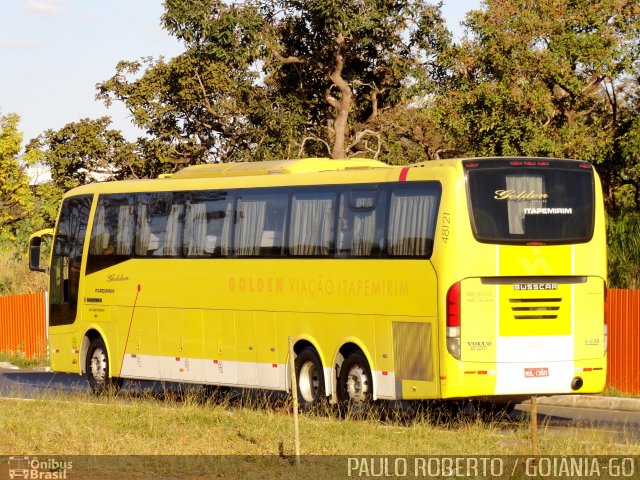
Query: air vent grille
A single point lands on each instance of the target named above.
(535, 308)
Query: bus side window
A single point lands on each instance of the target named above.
(412, 219)
(113, 226)
(175, 226)
(159, 225)
(312, 224)
(272, 241)
(259, 224)
(360, 225)
(195, 231)
(219, 224)
(100, 233)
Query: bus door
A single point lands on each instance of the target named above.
(64, 290)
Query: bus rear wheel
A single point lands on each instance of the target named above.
(355, 382)
(310, 376)
(97, 368)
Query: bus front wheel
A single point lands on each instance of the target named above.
(355, 382)
(310, 376)
(97, 368)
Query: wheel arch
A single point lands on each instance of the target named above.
(88, 337)
(302, 343)
(349, 346)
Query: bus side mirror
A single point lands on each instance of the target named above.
(35, 244)
(34, 254)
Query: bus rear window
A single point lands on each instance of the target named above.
(550, 205)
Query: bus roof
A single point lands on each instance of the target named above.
(234, 175)
(305, 165)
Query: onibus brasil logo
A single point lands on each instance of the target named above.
(37, 468)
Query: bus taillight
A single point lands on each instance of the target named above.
(453, 320)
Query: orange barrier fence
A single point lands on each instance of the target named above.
(23, 325)
(623, 372)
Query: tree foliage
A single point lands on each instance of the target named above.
(265, 79)
(16, 199)
(86, 151)
(623, 242)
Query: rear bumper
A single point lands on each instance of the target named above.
(519, 379)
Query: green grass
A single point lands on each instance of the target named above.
(20, 361)
(188, 425)
(612, 392)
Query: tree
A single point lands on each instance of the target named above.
(263, 79)
(352, 62)
(549, 78)
(87, 151)
(16, 199)
(623, 250)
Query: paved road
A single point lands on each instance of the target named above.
(34, 384)
(626, 423)
(31, 384)
(617, 414)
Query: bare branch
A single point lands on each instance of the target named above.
(315, 139)
(205, 98)
(291, 59)
(288, 60)
(360, 140)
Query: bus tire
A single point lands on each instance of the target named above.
(97, 368)
(355, 384)
(310, 378)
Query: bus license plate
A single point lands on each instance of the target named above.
(536, 372)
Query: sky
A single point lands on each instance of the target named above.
(54, 52)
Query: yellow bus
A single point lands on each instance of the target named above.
(453, 279)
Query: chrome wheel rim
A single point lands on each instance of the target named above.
(309, 382)
(99, 365)
(357, 384)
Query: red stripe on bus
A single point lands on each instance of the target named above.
(403, 174)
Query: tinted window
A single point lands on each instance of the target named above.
(260, 221)
(550, 205)
(412, 218)
(358, 221)
(112, 233)
(160, 224)
(361, 223)
(312, 223)
(113, 226)
(208, 224)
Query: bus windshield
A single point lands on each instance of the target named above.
(546, 201)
